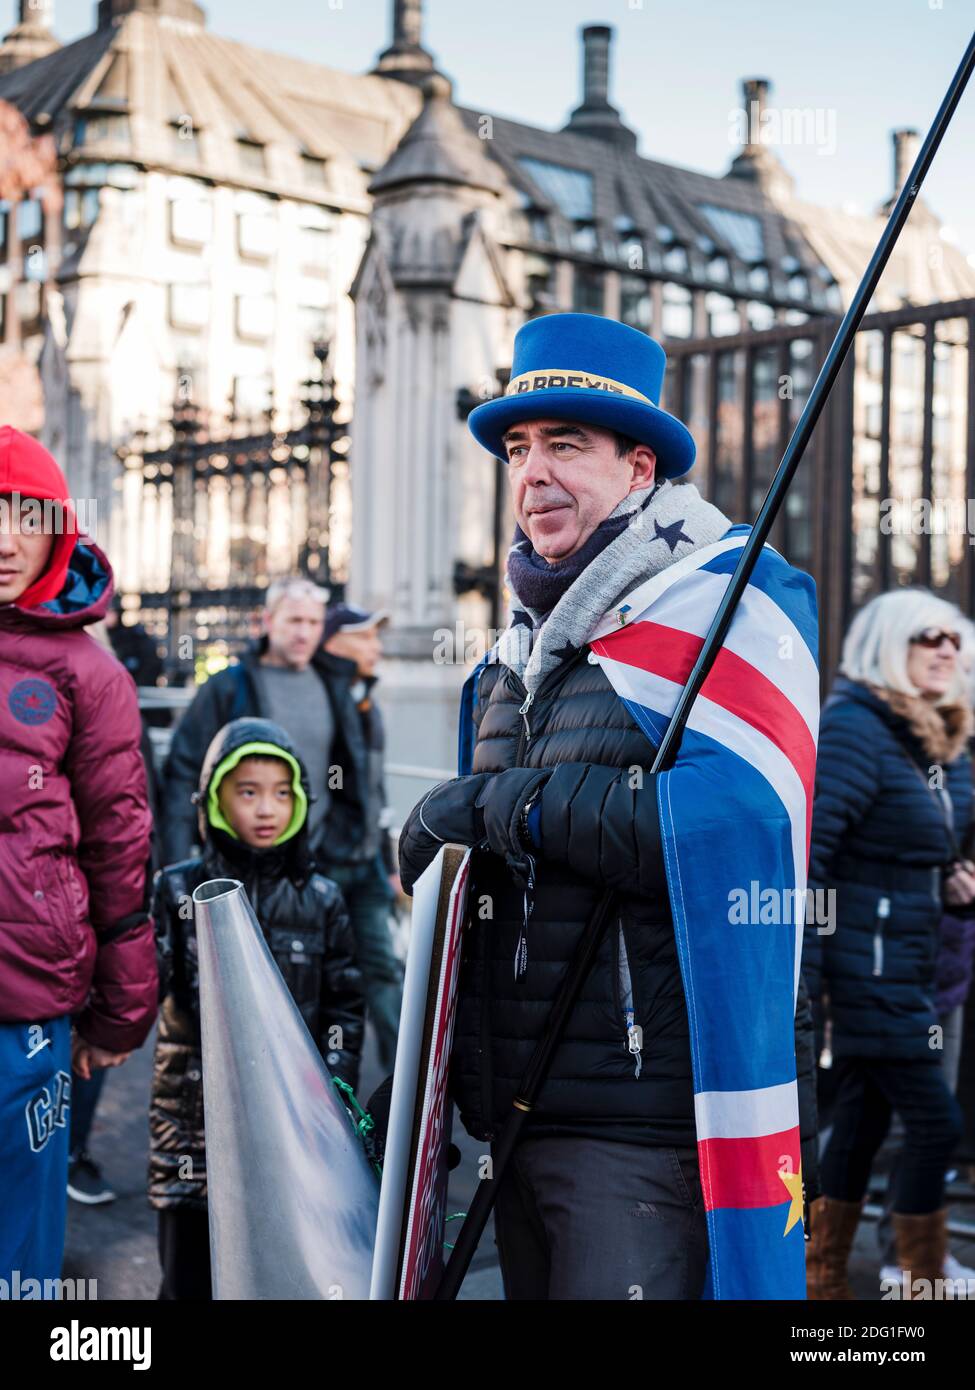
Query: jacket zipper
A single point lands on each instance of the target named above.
(883, 912)
(524, 737)
(531, 696)
(624, 982)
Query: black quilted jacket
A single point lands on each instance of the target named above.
(598, 828)
(304, 920)
(883, 833)
(580, 749)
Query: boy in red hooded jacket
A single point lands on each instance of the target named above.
(75, 938)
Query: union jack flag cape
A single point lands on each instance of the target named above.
(735, 816)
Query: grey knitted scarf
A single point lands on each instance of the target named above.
(675, 522)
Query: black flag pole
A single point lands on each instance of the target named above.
(811, 412)
(534, 1078)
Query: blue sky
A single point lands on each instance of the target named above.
(865, 66)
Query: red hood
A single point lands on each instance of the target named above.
(27, 468)
(85, 595)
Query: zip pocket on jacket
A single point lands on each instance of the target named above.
(634, 1040)
(883, 912)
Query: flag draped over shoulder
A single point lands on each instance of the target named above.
(735, 816)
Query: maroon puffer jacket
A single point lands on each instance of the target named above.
(74, 820)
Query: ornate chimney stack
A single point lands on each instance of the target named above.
(32, 36)
(754, 92)
(406, 59)
(757, 160)
(596, 116)
(906, 146)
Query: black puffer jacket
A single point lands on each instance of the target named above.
(881, 840)
(598, 828)
(305, 923)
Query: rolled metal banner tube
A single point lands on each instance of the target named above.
(293, 1200)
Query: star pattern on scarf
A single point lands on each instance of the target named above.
(672, 534)
(565, 653)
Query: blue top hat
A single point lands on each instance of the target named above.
(584, 367)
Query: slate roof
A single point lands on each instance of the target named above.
(45, 86)
(647, 194)
(158, 71)
(819, 244)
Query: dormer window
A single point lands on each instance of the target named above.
(313, 171)
(675, 259)
(101, 128)
(539, 228)
(536, 217)
(251, 156)
(758, 278)
(584, 237)
(185, 144)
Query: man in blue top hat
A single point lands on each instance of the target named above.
(602, 1199)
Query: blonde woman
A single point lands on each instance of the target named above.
(893, 805)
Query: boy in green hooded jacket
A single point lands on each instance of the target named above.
(252, 802)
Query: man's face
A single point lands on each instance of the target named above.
(294, 630)
(364, 648)
(566, 478)
(24, 552)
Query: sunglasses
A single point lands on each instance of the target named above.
(934, 636)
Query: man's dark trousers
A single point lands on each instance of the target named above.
(369, 899)
(595, 1219)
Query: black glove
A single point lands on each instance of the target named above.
(446, 815)
(502, 802)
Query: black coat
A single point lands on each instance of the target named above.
(597, 830)
(881, 840)
(305, 923)
(376, 838)
(236, 693)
